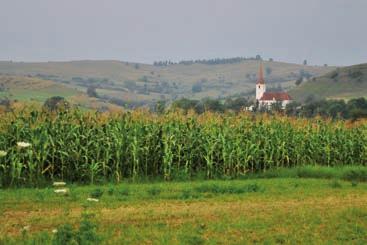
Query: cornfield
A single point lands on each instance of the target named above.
(89, 147)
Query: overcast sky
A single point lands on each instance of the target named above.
(321, 31)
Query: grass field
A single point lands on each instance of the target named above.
(264, 211)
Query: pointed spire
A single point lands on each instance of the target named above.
(260, 79)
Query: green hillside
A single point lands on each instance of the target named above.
(144, 84)
(37, 90)
(342, 83)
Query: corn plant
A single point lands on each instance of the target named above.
(89, 147)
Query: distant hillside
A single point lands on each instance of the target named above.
(342, 83)
(138, 84)
(23, 88)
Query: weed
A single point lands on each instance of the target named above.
(64, 235)
(355, 174)
(154, 191)
(111, 191)
(86, 234)
(228, 189)
(96, 193)
(188, 194)
(335, 184)
(354, 183)
(40, 196)
(124, 191)
(192, 239)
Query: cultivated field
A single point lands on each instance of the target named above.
(181, 179)
(92, 147)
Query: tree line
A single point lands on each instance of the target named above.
(335, 109)
(216, 61)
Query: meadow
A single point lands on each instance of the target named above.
(176, 178)
(253, 211)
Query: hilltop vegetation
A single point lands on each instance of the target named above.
(131, 84)
(342, 83)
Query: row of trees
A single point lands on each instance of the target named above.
(336, 109)
(216, 61)
(352, 109)
(215, 105)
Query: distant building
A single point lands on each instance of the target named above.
(268, 98)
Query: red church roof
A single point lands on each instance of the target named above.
(278, 96)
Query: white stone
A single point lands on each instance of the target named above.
(61, 191)
(23, 144)
(92, 200)
(59, 184)
(3, 153)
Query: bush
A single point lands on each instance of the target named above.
(56, 103)
(197, 88)
(92, 92)
(85, 235)
(64, 235)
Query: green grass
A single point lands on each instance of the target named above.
(348, 173)
(260, 210)
(41, 95)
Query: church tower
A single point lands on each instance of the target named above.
(260, 84)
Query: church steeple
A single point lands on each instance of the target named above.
(260, 79)
(260, 84)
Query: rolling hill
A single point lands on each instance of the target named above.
(342, 83)
(138, 84)
(37, 90)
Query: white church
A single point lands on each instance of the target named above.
(266, 99)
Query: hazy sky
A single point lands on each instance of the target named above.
(321, 31)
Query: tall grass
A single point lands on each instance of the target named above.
(89, 147)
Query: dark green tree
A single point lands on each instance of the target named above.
(92, 92)
(56, 103)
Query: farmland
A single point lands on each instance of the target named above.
(142, 84)
(273, 211)
(94, 147)
(27, 89)
(141, 178)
